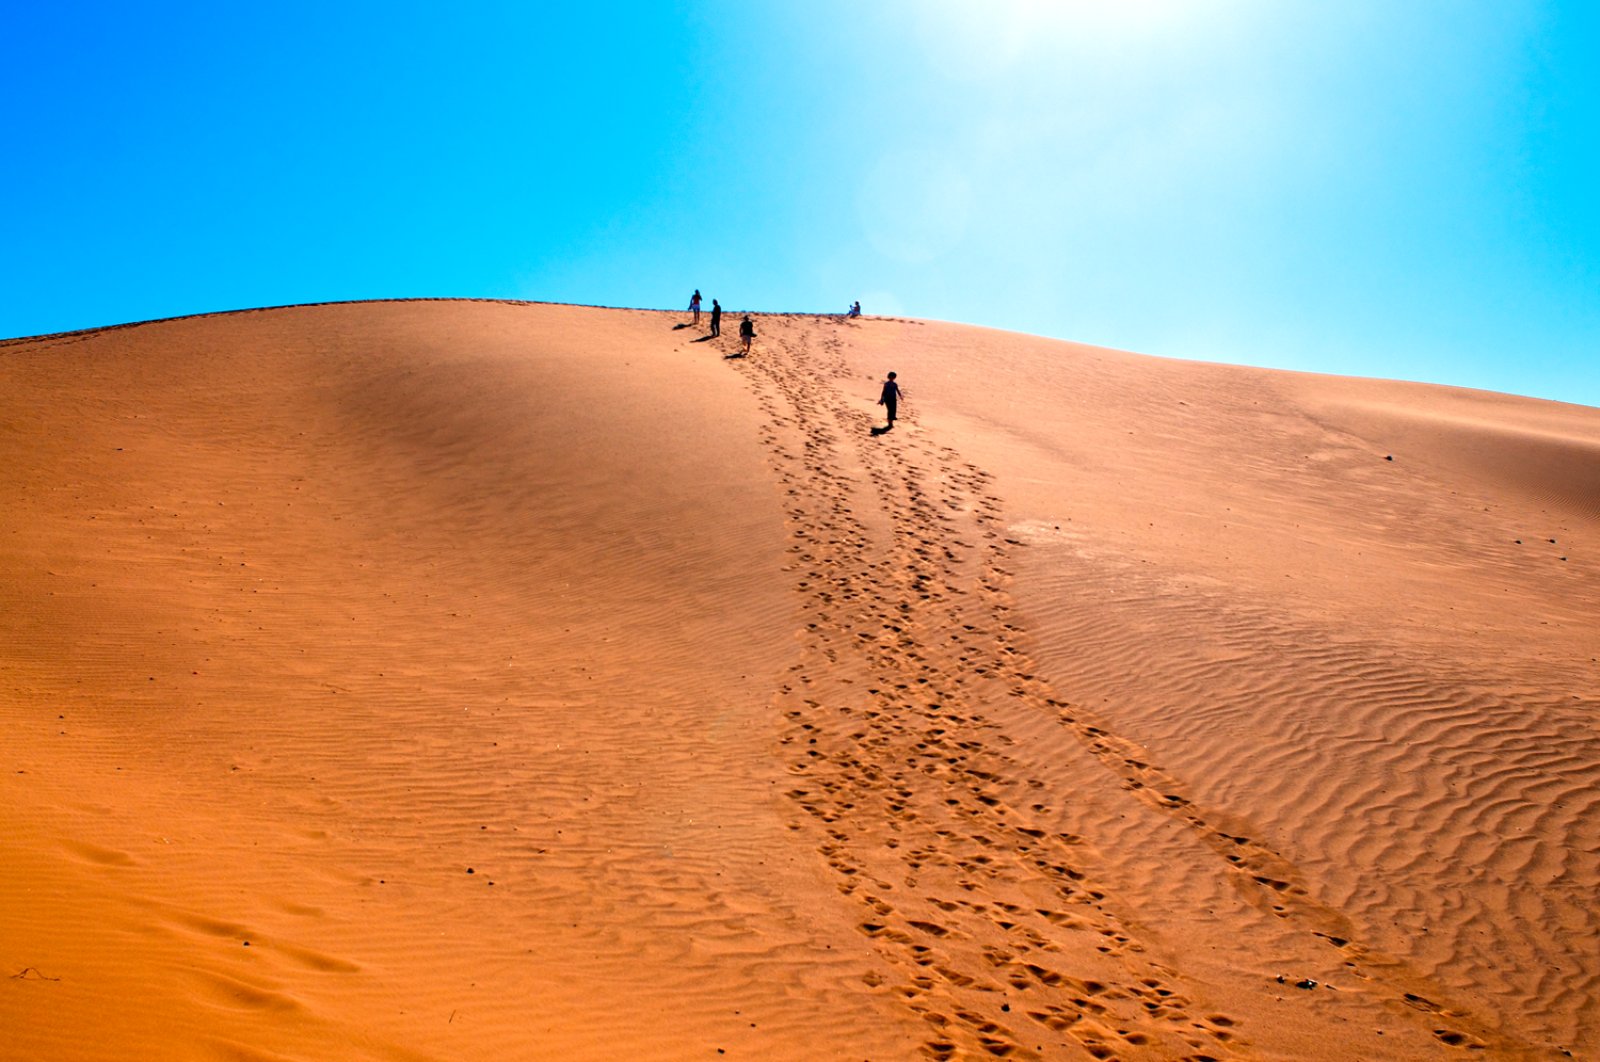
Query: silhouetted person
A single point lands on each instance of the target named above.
(890, 398)
(747, 332)
(716, 318)
(855, 310)
(694, 305)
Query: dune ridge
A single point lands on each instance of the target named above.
(1090, 713)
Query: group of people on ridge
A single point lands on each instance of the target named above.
(889, 398)
(747, 329)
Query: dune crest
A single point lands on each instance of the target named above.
(462, 679)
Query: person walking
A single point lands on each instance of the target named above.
(716, 318)
(694, 304)
(747, 332)
(890, 398)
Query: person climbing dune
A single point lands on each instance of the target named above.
(890, 399)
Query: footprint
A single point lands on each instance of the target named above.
(105, 857)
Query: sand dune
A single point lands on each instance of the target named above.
(457, 680)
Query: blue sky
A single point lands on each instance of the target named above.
(1366, 187)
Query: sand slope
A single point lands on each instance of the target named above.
(1083, 715)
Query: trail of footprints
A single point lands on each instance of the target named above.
(949, 847)
(971, 895)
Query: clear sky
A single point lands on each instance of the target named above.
(1397, 188)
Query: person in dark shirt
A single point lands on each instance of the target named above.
(716, 318)
(890, 398)
(747, 332)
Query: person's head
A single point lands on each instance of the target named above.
(891, 376)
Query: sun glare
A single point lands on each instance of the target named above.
(968, 40)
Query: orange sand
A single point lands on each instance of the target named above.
(465, 680)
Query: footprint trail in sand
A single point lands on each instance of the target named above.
(960, 800)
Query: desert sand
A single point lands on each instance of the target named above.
(471, 680)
